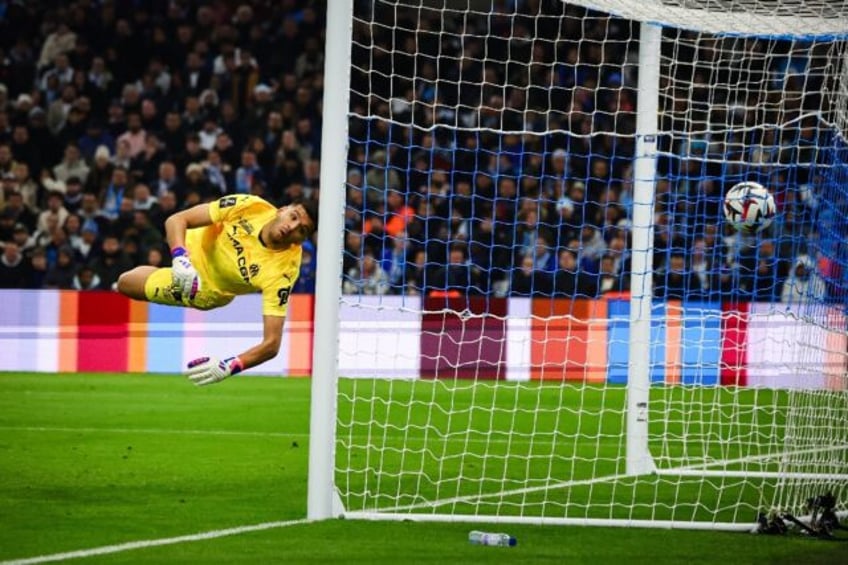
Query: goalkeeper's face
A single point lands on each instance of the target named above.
(291, 226)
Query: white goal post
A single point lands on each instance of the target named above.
(679, 374)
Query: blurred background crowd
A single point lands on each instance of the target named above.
(489, 154)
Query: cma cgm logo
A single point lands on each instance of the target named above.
(241, 260)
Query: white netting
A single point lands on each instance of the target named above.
(485, 315)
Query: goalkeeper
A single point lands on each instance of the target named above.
(234, 245)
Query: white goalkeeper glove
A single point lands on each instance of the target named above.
(185, 279)
(209, 370)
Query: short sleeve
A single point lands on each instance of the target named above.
(220, 210)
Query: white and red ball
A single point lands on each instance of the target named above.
(749, 207)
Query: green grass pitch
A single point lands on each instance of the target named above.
(96, 460)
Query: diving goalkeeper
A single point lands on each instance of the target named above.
(234, 245)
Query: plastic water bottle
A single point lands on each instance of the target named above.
(477, 537)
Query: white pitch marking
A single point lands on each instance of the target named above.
(142, 544)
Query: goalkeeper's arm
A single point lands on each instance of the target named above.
(185, 276)
(208, 370)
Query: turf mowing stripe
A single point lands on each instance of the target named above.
(117, 548)
(151, 431)
(488, 441)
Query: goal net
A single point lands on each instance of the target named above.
(544, 316)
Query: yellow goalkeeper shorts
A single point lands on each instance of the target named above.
(159, 289)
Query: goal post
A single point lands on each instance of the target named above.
(529, 307)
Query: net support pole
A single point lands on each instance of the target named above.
(334, 144)
(639, 461)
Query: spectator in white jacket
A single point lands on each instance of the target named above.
(804, 283)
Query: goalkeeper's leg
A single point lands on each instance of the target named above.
(131, 283)
(156, 285)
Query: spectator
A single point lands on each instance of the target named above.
(111, 262)
(60, 41)
(457, 275)
(61, 274)
(117, 190)
(15, 270)
(55, 210)
(135, 135)
(38, 268)
(100, 174)
(523, 278)
(95, 137)
(804, 284)
(86, 279)
(676, 281)
(29, 189)
(248, 174)
(86, 244)
(19, 212)
(22, 238)
(368, 277)
(197, 184)
(142, 199)
(569, 280)
(73, 194)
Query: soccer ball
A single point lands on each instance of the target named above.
(749, 207)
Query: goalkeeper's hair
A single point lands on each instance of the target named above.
(311, 208)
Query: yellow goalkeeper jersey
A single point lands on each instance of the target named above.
(230, 258)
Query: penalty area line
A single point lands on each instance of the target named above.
(142, 544)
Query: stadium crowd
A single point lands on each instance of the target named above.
(116, 113)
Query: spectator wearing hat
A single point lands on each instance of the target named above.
(61, 274)
(100, 174)
(261, 105)
(15, 270)
(196, 182)
(21, 237)
(87, 245)
(23, 105)
(8, 183)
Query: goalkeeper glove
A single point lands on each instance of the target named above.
(208, 370)
(185, 278)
